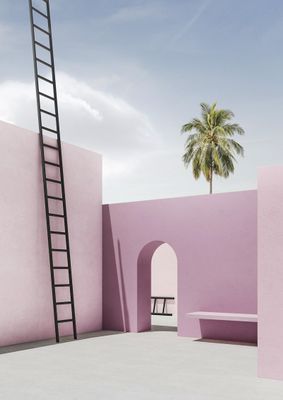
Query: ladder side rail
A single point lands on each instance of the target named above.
(164, 305)
(62, 175)
(154, 305)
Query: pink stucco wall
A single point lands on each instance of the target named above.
(25, 291)
(215, 240)
(270, 272)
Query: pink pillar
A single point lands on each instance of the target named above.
(26, 312)
(270, 272)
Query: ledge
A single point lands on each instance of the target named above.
(219, 316)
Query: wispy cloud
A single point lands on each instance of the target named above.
(137, 12)
(272, 34)
(6, 32)
(90, 118)
(192, 21)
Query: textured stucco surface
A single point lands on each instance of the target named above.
(26, 312)
(270, 271)
(215, 241)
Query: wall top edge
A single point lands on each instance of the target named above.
(168, 199)
(9, 125)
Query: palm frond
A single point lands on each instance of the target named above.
(223, 116)
(236, 147)
(195, 125)
(232, 129)
(196, 164)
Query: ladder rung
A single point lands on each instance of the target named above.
(45, 79)
(49, 130)
(57, 233)
(41, 29)
(50, 146)
(42, 45)
(46, 95)
(56, 215)
(60, 321)
(55, 198)
(52, 163)
(62, 285)
(53, 180)
(39, 12)
(47, 112)
(164, 314)
(60, 303)
(60, 267)
(43, 62)
(60, 250)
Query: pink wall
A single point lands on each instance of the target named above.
(215, 240)
(25, 291)
(270, 272)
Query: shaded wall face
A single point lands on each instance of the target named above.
(26, 312)
(215, 240)
(270, 270)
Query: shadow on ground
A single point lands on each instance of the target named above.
(51, 342)
(225, 342)
(163, 328)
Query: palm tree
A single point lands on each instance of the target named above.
(210, 146)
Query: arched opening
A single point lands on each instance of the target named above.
(164, 287)
(157, 277)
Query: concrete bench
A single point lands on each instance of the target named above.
(220, 316)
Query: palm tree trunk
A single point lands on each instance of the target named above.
(210, 180)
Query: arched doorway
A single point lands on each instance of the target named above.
(164, 287)
(151, 280)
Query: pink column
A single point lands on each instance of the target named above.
(26, 312)
(270, 272)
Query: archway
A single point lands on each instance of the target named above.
(164, 287)
(152, 255)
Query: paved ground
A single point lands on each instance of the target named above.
(153, 365)
(164, 321)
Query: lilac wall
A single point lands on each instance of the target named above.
(25, 292)
(270, 272)
(215, 240)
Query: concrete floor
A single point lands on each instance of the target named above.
(160, 320)
(152, 365)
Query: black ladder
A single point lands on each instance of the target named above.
(52, 165)
(155, 305)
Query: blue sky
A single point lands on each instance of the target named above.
(130, 73)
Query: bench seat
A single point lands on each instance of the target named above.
(220, 316)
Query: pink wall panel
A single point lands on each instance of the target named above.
(25, 291)
(270, 272)
(215, 240)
